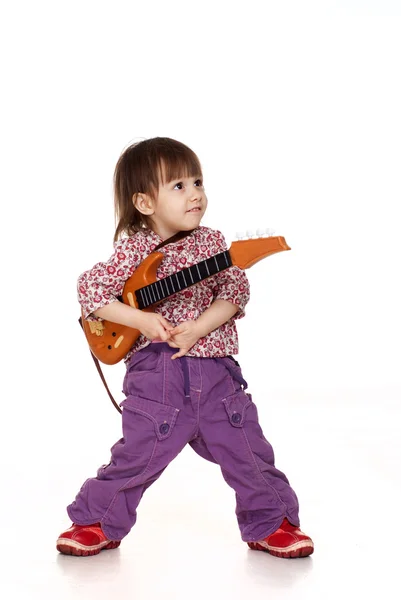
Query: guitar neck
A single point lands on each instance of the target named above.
(163, 288)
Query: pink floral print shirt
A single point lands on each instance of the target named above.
(105, 281)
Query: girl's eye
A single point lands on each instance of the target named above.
(180, 184)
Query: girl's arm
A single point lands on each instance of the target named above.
(99, 288)
(152, 325)
(214, 316)
(231, 284)
(117, 312)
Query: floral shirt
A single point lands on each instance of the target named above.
(103, 283)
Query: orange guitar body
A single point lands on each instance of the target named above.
(110, 342)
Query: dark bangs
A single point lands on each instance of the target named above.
(176, 161)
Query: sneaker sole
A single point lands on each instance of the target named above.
(298, 550)
(67, 546)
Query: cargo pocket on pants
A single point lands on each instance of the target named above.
(236, 407)
(161, 417)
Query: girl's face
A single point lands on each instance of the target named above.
(180, 206)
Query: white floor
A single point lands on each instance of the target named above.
(340, 449)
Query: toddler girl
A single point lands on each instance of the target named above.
(182, 384)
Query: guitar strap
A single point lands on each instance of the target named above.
(175, 238)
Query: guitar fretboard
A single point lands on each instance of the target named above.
(163, 288)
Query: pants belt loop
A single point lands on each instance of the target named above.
(235, 375)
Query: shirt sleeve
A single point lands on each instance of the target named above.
(231, 284)
(102, 284)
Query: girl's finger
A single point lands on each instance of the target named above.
(176, 330)
(166, 324)
(164, 334)
(179, 354)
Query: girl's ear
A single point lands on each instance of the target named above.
(143, 203)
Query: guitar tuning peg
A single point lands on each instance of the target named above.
(240, 235)
(259, 232)
(250, 233)
(270, 232)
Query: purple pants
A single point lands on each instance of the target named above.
(171, 403)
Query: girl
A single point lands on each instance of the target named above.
(200, 398)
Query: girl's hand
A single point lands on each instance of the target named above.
(153, 326)
(184, 336)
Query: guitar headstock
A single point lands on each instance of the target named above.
(253, 246)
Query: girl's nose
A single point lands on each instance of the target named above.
(194, 194)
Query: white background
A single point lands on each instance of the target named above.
(294, 111)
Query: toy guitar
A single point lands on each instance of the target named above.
(110, 342)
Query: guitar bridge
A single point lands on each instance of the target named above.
(96, 327)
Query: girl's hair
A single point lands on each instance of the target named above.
(141, 168)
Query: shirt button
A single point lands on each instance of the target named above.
(164, 428)
(236, 418)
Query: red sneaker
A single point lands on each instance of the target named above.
(84, 540)
(287, 542)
